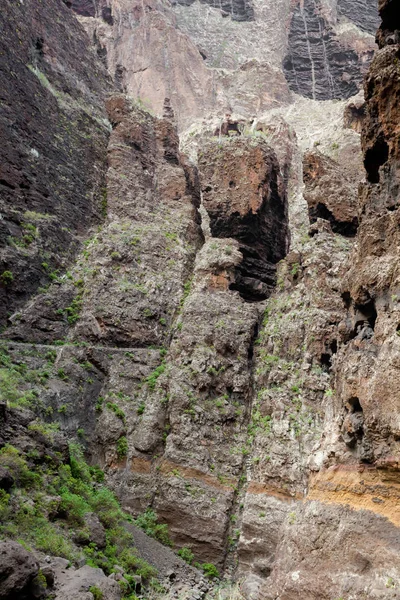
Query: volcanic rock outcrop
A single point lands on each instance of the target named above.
(330, 195)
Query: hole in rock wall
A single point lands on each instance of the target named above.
(263, 243)
(364, 321)
(375, 158)
(101, 51)
(390, 15)
(262, 235)
(346, 299)
(86, 8)
(39, 46)
(250, 353)
(353, 427)
(345, 228)
(326, 357)
(228, 127)
(354, 406)
(107, 15)
(354, 116)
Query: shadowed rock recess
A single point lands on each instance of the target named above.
(199, 300)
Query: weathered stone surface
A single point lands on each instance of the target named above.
(239, 10)
(76, 584)
(249, 452)
(353, 549)
(364, 13)
(97, 534)
(18, 567)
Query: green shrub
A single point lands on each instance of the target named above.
(4, 505)
(11, 459)
(79, 468)
(97, 592)
(6, 277)
(151, 379)
(117, 411)
(148, 522)
(10, 392)
(210, 570)
(96, 473)
(74, 506)
(122, 447)
(186, 554)
(47, 538)
(46, 429)
(131, 562)
(104, 503)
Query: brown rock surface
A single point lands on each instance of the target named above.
(245, 198)
(251, 371)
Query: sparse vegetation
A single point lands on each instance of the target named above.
(186, 554)
(67, 491)
(117, 411)
(151, 379)
(6, 277)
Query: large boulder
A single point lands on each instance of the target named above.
(18, 567)
(73, 584)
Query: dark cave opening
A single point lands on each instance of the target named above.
(374, 159)
(345, 228)
(365, 316)
(353, 405)
(326, 357)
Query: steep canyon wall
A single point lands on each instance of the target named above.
(223, 301)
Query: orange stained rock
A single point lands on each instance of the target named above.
(377, 490)
(258, 488)
(218, 282)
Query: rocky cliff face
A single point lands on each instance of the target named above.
(321, 64)
(222, 308)
(54, 134)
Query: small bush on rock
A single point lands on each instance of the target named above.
(210, 571)
(97, 592)
(186, 554)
